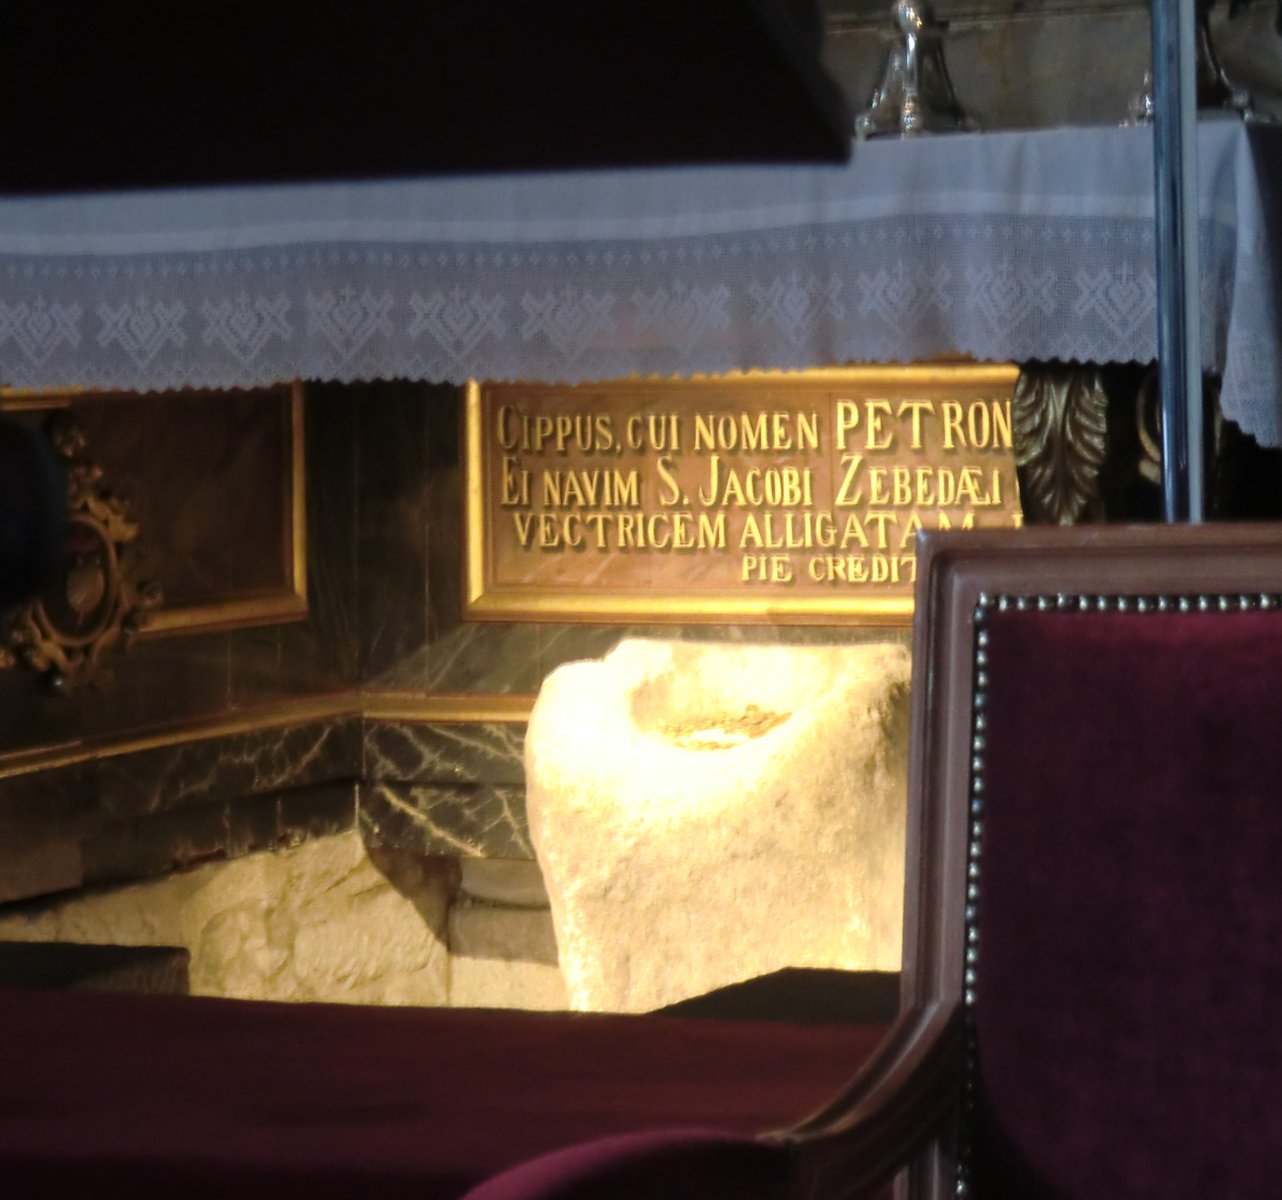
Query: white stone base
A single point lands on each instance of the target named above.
(318, 922)
(673, 870)
(506, 983)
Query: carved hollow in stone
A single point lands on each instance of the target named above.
(915, 94)
(97, 602)
(1059, 420)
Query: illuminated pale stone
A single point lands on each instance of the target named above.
(318, 922)
(506, 983)
(705, 813)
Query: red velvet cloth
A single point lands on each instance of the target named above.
(1130, 929)
(676, 1164)
(174, 1096)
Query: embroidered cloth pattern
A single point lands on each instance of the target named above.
(1018, 245)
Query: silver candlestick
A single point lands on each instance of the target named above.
(915, 94)
(1213, 87)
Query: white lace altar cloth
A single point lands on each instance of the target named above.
(1014, 245)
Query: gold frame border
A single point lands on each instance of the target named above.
(275, 607)
(483, 601)
(414, 708)
(448, 708)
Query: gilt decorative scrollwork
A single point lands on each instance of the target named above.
(97, 603)
(1059, 419)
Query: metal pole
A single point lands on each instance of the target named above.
(1179, 326)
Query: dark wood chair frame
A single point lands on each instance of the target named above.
(900, 1115)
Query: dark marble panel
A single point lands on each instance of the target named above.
(393, 602)
(463, 656)
(207, 481)
(445, 517)
(276, 662)
(517, 658)
(474, 658)
(319, 653)
(158, 682)
(157, 845)
(392, 445)
(252, 823)
(257, 488)
(463, 820)
(58, 799)
(407, 673)
(170, 457)
(313, 812)
(200, 773)
(332, 499)
(259, 670)
(31, 716)
(168, 841)
(403, 752)
(411, 578)
(394, 475)
(393, 431)
(560, 644)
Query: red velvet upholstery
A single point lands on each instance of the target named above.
(159, 1096)
(1130, 908)
(674, 1164)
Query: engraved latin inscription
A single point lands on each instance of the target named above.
(815, 484)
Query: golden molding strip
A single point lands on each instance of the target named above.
(448, 708)
(309, 708)
(444, 708)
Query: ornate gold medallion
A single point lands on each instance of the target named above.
(97, 602)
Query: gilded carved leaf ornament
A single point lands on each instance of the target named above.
(1059, 419)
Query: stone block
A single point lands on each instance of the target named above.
(503, 957)
(317, 922)
(494, 983)
(705, 813)
(503, 881)
(505, 934)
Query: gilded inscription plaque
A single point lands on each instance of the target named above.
(763, 497)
